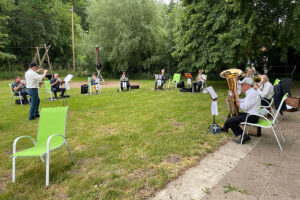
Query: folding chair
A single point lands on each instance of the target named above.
(124, 85)
(13, 95)
(264, 122)
(51, 136)
(48, 90)
(175, 80)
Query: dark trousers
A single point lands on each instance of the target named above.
(265, 102)
(35, 102)
(197, 86)
(234, 122)
(162, 84)
(127, 85)
(55, 90)
(24, 96)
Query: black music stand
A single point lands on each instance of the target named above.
(214, 128)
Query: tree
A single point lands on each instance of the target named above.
(131, 34)
(5, 8)
(225, 34)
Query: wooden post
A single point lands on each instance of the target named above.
(73, 40)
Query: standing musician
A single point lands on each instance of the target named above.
(19, 88)
(200, 80)
(265, 91)
(55, 82)
(33, 80)
(163, 79)
(250, 105)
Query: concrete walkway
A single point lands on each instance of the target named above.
(256, 170)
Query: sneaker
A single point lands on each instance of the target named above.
(32, 118)
(245, 139)
(37, 115)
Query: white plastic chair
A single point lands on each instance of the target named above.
(13, 95)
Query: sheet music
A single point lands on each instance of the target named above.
(67, 80)
(189, 82)
(214, 108)
(212, 92)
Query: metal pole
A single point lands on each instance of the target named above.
(73, 40)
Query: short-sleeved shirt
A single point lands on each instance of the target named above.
(93, 81)
(56, 85)
(21, 89)
(32, 79)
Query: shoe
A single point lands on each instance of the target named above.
(37, 115)
(223, 130)
(245, 139)
(60, 97)
(32, 118)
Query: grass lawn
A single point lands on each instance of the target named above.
(126, 145)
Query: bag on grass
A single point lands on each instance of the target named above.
(292, 104)
(84, 89)
(180, 84)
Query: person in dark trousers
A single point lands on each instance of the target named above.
(19, 88)
(250, 105)
(124, 78)
(163, 79)
(55, 83)
(33, 80)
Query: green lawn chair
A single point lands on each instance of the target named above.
(176, 79)
(51, 136)
(264, 122)
(48, 89)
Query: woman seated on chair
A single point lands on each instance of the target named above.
(200, 81)
(163, 80)
(124, 79)
(94, 82)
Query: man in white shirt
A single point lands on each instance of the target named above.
(33, 80)
(250, 105)
(265, 91)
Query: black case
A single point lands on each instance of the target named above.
(84, 89)
(134, 87)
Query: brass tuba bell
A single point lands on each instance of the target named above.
(231, 76)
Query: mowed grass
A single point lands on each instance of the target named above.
(126, 145)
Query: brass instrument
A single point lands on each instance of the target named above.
(231, 75)
(257, 80)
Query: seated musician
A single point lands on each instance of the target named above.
(124, 78)
(55, 82)
(163, 79)
(200, 81)
(250, 105)
(19, 88)
(249, 73)
(94, 82)
(265, 90)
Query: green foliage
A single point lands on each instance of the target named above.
(225, 34)
(131, 34)
(5, 8)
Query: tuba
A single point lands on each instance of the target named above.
(231, 76)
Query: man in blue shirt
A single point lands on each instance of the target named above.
(163, 80)
(55, 83)
(19, 88)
